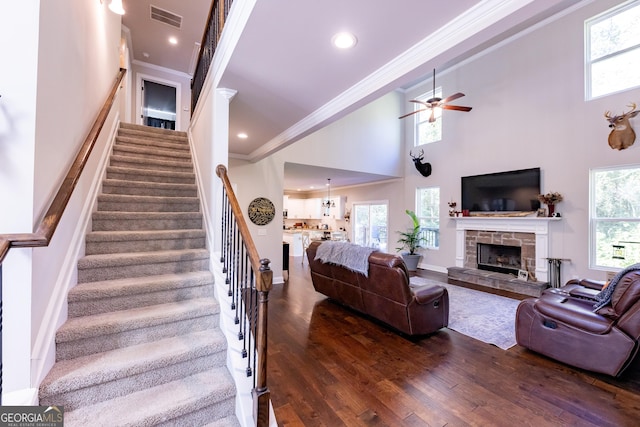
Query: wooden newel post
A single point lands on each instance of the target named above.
(261, 394)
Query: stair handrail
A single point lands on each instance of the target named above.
(263, 284)
(44, 232)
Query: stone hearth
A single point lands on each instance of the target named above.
(493, 280)
(531, 234)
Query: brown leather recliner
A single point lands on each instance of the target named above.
(385, 294)
(561, 324)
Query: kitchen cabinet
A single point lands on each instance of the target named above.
(313, 208)
(295, 208)
(304, 208)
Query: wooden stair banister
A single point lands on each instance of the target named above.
(263, 285)
(44, 232)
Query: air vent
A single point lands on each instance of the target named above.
(166, 17)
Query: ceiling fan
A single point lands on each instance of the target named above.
(435, 103)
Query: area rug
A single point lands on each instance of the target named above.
(486, 317)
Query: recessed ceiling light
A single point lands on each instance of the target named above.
(344, 40)
(173, 40)
(243, 135)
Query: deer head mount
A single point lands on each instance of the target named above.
(622, 135)
(423, 168)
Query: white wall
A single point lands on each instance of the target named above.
(528, 111)
(17, 145)
(75, 61)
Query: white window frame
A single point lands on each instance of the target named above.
(589, 63)
(594, 220)
(424, 219)
(368, 204)
(425, 122)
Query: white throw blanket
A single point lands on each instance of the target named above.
(348, 255)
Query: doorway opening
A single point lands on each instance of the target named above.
(158, 102)
(159, 105)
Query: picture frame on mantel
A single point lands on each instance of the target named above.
(523, 275)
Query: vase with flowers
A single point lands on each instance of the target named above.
(550, 199)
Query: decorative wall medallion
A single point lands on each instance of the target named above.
(261, 211)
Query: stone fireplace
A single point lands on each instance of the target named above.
(500, 258)
(503, 252)
(491, 250)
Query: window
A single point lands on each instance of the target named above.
(370, 224)
(427, 210)
(615, 217)
(612, 43)
(427, 132)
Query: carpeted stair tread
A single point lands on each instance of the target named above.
(120, 236)
(119, 202)
(131, 221)
(149, 175)
(143, 317)
(124, 294)
(117, 241)
(138, 151)
(111, 185)
(132, 216)
(87, 371)
(142, 141)
(130, 258)
(148, 130)
(152, 164)
(138, 285)
(165, 404)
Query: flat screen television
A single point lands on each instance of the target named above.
(511, 191)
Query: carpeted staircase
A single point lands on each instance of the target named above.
(142, 344)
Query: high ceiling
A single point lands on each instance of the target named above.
(291, 81)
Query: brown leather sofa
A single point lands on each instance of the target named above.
(385, 294)
(562, 324)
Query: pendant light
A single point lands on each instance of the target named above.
(328, 203)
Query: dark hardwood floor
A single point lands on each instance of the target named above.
(329, 366)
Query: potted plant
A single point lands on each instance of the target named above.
(409, 241)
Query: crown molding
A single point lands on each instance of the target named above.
(162, 69)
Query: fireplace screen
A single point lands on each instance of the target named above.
(499, 258)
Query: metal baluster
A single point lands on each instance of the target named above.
(252, 321)
(225, 208)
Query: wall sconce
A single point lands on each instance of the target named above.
(115, 6)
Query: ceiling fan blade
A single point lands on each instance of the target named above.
(417, 101)
(456, 107)
(413, 112)
(453, 97)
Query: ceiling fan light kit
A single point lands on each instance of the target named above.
(436, 105)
